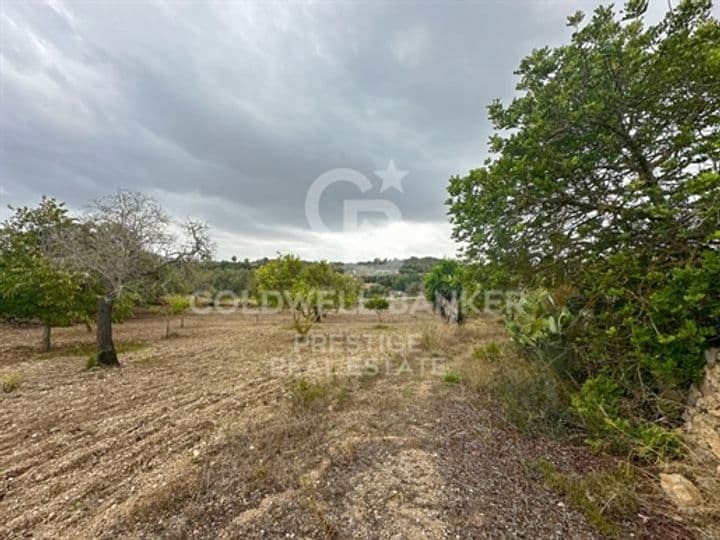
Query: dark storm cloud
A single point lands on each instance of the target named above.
(229, 111)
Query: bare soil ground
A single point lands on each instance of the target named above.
(232, 430)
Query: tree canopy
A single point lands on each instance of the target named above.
(612, 145)
(32, 287)
(601, 199)
(308, 288)
(121, 240)
(444, 287)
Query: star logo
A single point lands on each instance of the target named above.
(391, 177)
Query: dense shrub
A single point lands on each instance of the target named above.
(602, 202)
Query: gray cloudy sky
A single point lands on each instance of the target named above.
(228, 111)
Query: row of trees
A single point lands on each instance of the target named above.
(59, 269)
(604, 191)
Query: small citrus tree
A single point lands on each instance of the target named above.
(378, 304)
(175, 305)
(307, 288)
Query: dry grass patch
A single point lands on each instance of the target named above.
(535, 399)
(311, 504)
(704, 473)
(306, 393)
(380, 326)
(434, 337)
(86, 349)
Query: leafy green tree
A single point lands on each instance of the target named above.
(334, 289)
(303, 306)
(278, 275)
(124, 240)
(612, 146)
(308, 288)
(175, 305)
(604, 181)
(444, 287)
(31, 286)
(377, 304)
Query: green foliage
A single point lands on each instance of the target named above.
(443, 280)
(31, 286)
(488, 352)
(305, 393)
(124, 306)
(310, 289)
(279, 274)
(333, 289)
(92, 362)
(176, 304)
(377, 304)
(227, 277)
(599, 404)
(9, 382)
(452, 378)
(604, 182)
(609, 148)
(443, 285)
(537, 317)
(386, 276)
(606, 498)
(375, 289)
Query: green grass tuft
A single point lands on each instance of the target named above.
(452, 378)
(305, 393)
(10, 381)
(489, 351)
(380, 327)
(92, 362)
(606, 498)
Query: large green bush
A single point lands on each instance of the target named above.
(602, 201)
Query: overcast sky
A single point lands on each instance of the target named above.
(230, 111)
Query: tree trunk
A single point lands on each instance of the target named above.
(182, 321)
(47, 329)
(105, 346)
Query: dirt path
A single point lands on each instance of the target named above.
(213, 434)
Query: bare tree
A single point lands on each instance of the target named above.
(122, 239)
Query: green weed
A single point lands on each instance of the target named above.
(11, 381)
(606, 498)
